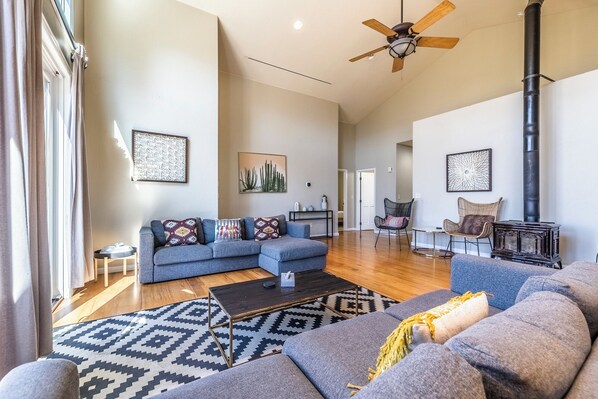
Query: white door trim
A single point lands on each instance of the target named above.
(345, 199)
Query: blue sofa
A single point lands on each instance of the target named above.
(293, 251)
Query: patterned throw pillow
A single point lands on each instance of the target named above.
(266, 228)
(228, 230)
(395, 221)
(474, 224)
(180, 232)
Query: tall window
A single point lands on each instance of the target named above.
(56, 101)
(66, 9)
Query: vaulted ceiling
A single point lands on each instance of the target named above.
(333, 32)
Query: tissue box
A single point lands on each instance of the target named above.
(287, 280)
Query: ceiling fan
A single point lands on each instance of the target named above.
(404, 38)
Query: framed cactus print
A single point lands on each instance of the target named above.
(262, 173)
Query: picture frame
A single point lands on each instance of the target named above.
(262, 173)
(469, 171)
(159, 157)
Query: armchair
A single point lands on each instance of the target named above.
(475, 222)
(396, 218)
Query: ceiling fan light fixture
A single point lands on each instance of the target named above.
(402, 47)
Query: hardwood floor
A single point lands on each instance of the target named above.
(397, 274)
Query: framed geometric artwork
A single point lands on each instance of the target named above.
(159, 157)
(469, 171)
(262, 173)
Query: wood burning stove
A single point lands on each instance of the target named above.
(526, 242)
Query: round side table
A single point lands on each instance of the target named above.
(109, 257)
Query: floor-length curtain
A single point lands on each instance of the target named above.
(25, 287)
(81, 250)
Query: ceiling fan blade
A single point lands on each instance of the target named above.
(437, 42)
(380, 27)
(433, 16)
(397, 64)
(368, 53)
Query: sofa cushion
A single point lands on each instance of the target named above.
(430, 371)
(182, 254)
(424, 302)
(266, 228)
(269, 377)
(227, 230)
(290, 248)
(249, 226)
(160, 236)
(474, 224)
(231, 249)
(532, 350)
(209, 230)
(437, 324)
(180, 232)
(50, 378)
(338, 354)
(578, 281)
(500, 278)
(586, 383)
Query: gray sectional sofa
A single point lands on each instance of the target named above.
(539, 342)
(293, 251)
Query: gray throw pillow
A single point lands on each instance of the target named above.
(578, 282)
(534, 349)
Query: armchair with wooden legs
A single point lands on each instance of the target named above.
(475, 223)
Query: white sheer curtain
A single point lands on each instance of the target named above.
(25, 289)
(80, 245)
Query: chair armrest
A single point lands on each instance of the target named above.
(501, 278)
(146, 255)
(449, 226)
(51, 378)
(298, 230)
(486, 230)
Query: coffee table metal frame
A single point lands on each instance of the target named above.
(229, 359)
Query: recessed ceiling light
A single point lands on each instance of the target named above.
(371, 57)
(298, 25)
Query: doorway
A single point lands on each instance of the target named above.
(342, 215)
(404, 170)
(366, 198)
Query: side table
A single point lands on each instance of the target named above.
(430, 252)
(109, 257)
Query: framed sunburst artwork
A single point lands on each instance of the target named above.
(469, 171)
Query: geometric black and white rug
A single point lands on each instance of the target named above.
(141, 354)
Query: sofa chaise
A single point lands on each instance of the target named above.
(293, 251)
(538, 342)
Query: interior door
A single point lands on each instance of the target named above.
(368, 199)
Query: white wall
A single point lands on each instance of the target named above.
(569, 168)
(259, 118)
(153, 66)
(486, 64)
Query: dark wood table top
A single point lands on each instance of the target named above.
(250, 298)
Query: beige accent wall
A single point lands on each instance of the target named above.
(259, 118)
(153, 66)
(486, 64)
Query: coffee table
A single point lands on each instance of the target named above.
(241, 301)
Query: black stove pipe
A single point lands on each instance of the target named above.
(531, 113)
